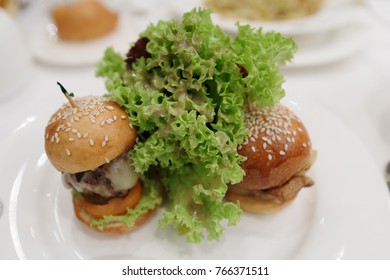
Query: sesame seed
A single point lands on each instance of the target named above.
(304, 145)
(71, 139)
(78, 135)
(68, 152)
(74, 130)
(85, 135)
(104, 143)
(110, 108)
(107, 160)
(253, 149)
(115, 117)
(91, 142)
(106, 138)
(272, 125)
(123, 117)
(102, 123)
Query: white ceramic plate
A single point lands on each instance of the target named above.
(56, 52)
(344, 216)
(329, 18)
(337, 32)
(334, 14)
(47, 49)
(332, 46)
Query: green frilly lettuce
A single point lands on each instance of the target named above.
(186, 99)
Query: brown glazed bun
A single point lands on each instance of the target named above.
(85, 137)
(277, 154)
(83, 20)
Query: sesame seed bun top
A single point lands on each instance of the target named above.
(277, 147)
(84, 137)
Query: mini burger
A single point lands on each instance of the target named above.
(88, 140)
(277, 154)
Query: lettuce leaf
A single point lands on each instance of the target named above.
(197, 207)
(186, 97)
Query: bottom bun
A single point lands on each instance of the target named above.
(270, 200)
(113, 227)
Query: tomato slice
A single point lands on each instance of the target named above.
(115, 206)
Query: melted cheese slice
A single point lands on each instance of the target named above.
(121, 175)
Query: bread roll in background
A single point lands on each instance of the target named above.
(11, 6)
(83, 20)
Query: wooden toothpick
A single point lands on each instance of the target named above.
(68, 95)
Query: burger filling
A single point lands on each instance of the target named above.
(113, 179)
(286, 191)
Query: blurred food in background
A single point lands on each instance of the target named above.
(83, 20)
(10, 5)
(265, 9)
